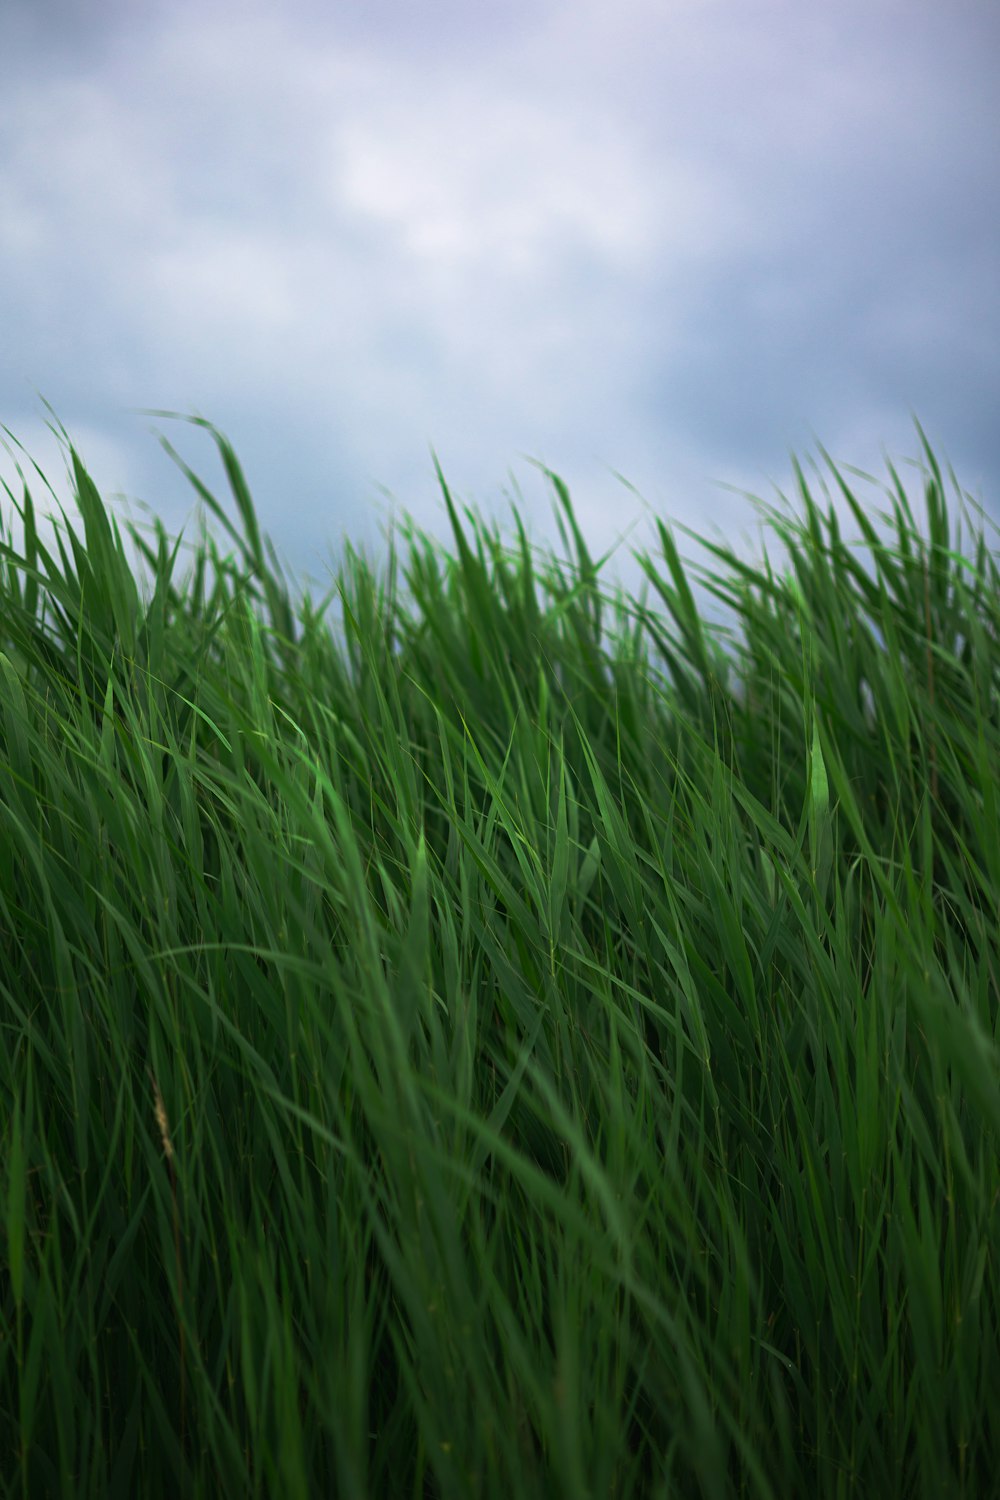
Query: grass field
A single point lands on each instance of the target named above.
(462, 1060)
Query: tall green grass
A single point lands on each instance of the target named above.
(464, 1061)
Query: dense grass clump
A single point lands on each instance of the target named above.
(462, 1060)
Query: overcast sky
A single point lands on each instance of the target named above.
(670, 241)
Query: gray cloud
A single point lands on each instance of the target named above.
(670, 245)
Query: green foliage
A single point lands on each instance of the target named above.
(466, 1062)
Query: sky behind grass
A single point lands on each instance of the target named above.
(674, 241)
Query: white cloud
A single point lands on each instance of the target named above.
(525, 188)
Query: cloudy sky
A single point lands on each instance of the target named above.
(669, 240)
